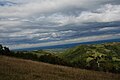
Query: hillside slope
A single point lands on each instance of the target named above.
(19, 69)
(105, 48)
(102, 57)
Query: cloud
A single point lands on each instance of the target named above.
(45, 6)
(108, 28)
(33, 23)
(47, 38)
(9, 23)
(107, 13)
(77, 40)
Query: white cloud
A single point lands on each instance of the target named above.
(77, 40)
(107, 13)
(9, 23)
(47, 38)
(26, 32)
(45, 6)
(108, 28)
(56, 20)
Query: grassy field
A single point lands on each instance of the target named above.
(19, 69)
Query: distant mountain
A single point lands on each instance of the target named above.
(7, 3)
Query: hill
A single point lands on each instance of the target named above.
(19, 69)
(103, 57)
(100, 57)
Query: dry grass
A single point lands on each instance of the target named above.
(19, 69)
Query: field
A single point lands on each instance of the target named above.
(20, 69)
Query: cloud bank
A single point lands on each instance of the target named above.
(37, 23)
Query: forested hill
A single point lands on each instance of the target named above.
(105, 48)
(104, 57)
(101, 57)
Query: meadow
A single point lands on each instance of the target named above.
(20, 69)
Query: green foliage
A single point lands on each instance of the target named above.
(103, 57)
(38, 55)
(49, 58)
(4, 50)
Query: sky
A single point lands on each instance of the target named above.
(39, 23)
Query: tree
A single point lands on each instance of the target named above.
(94, 60)
(1, 49)
(6, 50)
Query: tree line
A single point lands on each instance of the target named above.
(48, 57)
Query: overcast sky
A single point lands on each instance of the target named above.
(38, 23)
